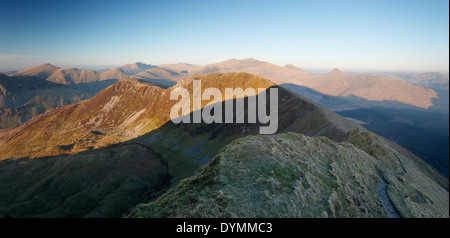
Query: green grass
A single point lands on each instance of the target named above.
(286, 175)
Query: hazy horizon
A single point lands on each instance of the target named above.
(407, 36)
(311, 70)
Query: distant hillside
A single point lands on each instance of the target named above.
(182, 67)
(42, 71)
(433, 80)
(361, 89)
(13, 85)
(8, 72)
(426, 134)
(87, 80)
(335, 83)
(23, 97)
(135, 68)
(276, 74)
(73, 76)
(80, 79)
(165, 76)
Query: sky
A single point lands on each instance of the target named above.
(358, 35)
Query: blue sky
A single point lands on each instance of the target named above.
(351, 35)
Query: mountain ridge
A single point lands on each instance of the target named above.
(135, 68)
(42, 71)
(132, 112)
(335, 83)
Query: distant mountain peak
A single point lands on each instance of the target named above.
(45, 65)
(336, 71)
(42, 71)
(136, 67)
(185, 64)
(253, 60)
(48, 64)
(140, 64)
(247, 60)
(240, 63)
(291, 66)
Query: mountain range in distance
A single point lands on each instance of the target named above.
(8, 73)
(81, 79)
(334, 83)
(123, 133)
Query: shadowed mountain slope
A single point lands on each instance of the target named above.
(81, 79)
(433, 80)
(160, 75)
(87, 80)
(73, 76)
(98, 183)
(182, 67)
(9, 73)
(10, 85)
(135, 68)
(23, 97)
(426, 134)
